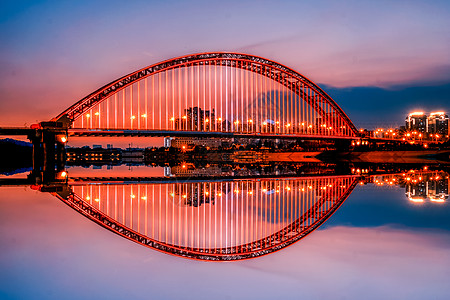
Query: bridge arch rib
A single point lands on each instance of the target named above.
(254, 94)
(215, 221)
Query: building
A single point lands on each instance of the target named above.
(189, 170)
(94, 156)
(416, 192)
(438, 190)
(432, 187)
(187, 143)
(196, 119)
(195, 194)
(438, 123)
(133, 155)
(416, 121)
(168, 142)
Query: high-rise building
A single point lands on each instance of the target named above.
(438, 123)
(416, 121)
(199, 119)
(438, 189)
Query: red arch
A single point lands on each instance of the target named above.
(269, 244)
(272, 70)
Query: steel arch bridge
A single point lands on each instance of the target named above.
(213, 220)
(211, 93)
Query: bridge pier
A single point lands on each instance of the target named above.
(48, 141)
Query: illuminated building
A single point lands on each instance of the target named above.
(187, 143)
(416, 121)
(196, 119)
(417, 192)
(438, 189)
(438, 123)
(189, 170)
(168, 142)
(97, 155)
(195, 194)
(431, 186)
(199, 119)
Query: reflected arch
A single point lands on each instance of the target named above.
(217, 220)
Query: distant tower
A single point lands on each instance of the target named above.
(416, 121)
(438, 123)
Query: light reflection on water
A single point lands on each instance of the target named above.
(378, 236)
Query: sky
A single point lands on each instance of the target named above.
(378, 59)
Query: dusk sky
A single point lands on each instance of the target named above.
(378, 60)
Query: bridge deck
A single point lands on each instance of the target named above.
(16, 131)
(77, 132)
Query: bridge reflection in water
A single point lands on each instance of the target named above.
(217, 220)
